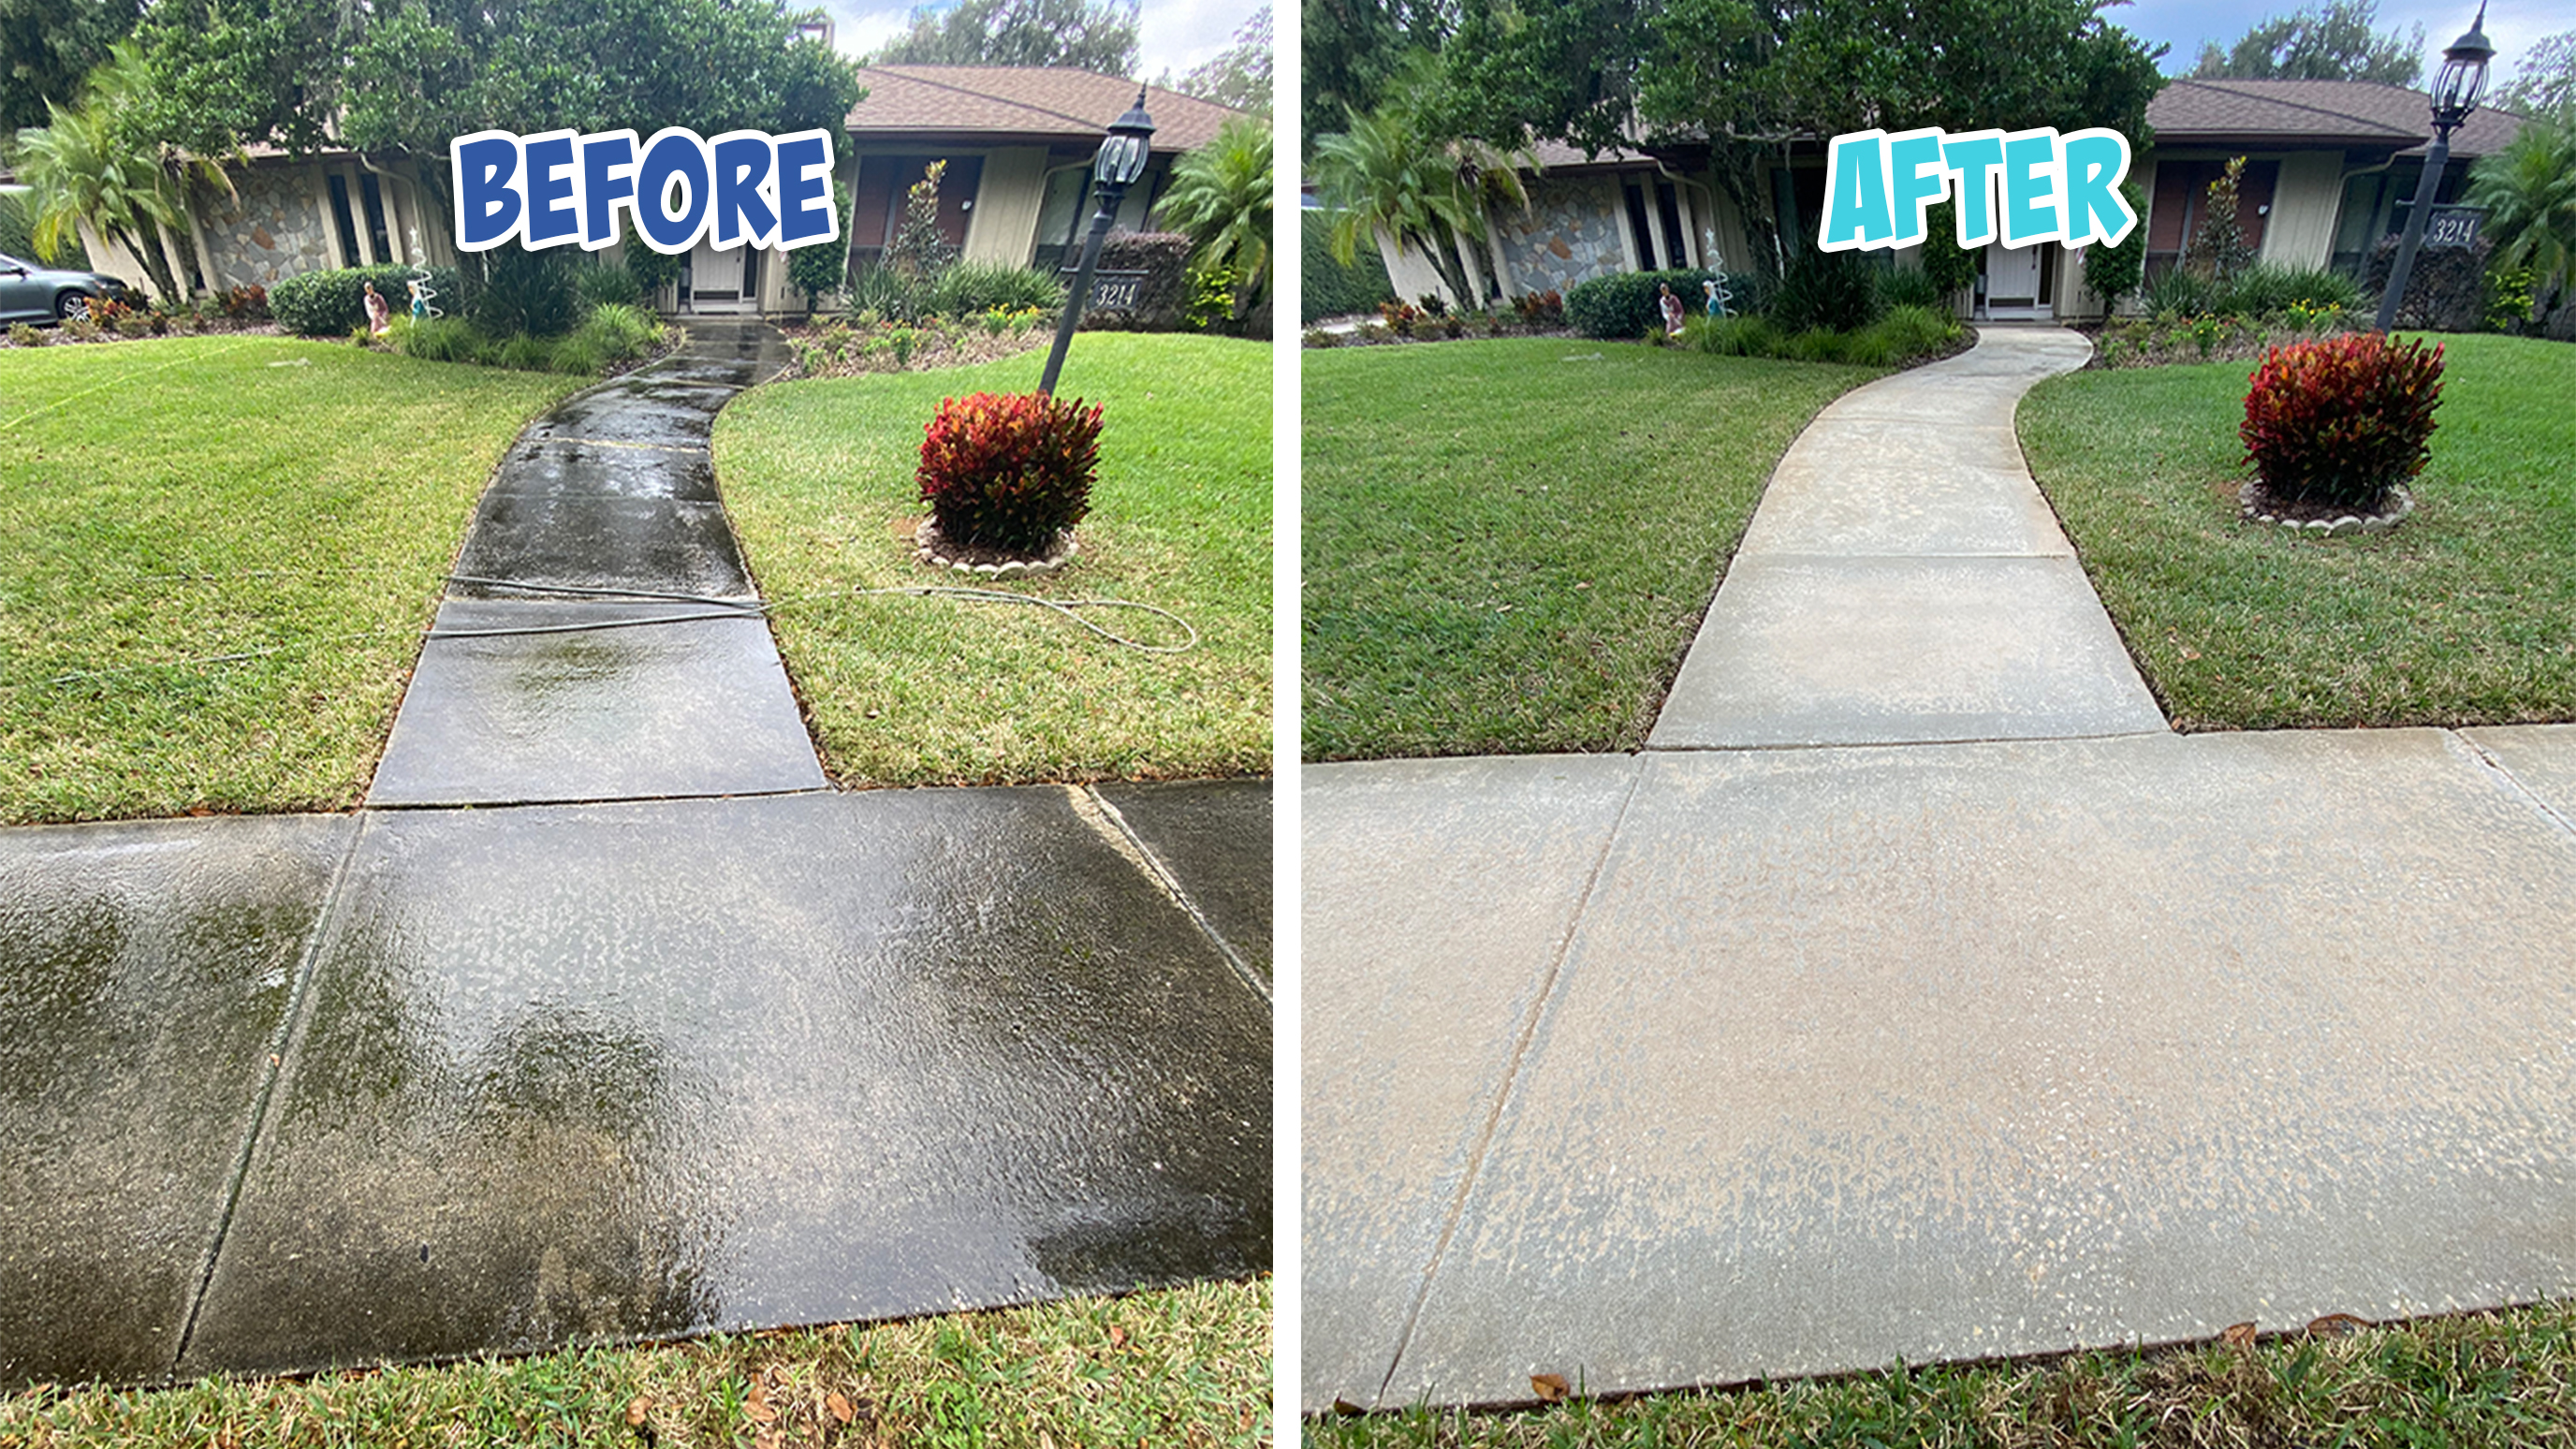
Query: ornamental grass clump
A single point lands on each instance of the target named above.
(2339, 422)
(1009, 471)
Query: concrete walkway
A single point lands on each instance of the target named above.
(290, 1092)
(2036, 1026)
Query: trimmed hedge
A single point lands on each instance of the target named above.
(334, 304)
(1624, 305)
(1161, 297)
(1330, 289)
(2446, 291)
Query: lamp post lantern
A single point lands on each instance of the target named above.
(1121, 160)
(2455, 94)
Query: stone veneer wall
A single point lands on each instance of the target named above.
(1569, 234)
(272, 230)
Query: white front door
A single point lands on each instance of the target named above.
(721, 281)
(2013, 280)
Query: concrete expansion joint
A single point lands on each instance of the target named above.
(1540, 1000)
(639, 447)
(281, 1042)
(2511, 782)
(1112, 827)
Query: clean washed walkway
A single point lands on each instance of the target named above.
(1876, 1012)
(716, 1048)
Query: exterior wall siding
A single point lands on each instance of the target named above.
(2305, 205)
(272, 230)
(1572, 232)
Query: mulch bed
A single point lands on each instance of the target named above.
(931, 347)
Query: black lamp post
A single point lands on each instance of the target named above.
(2455, 93)
(1121, 160)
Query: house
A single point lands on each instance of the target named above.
(1018, 141)
(2330, 169)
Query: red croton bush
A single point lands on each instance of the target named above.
(2339, 421)
(1009, 471)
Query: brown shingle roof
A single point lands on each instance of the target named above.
(2316, 113)
(1023, 102)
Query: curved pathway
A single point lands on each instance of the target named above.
(1903, 581)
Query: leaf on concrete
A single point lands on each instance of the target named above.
(2337, 1323)
(1345, 1406)
(1550, 1388)
(2240, 1336)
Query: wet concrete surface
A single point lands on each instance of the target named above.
(145, 976)
(1937, 1051)
(613, 490)
(657, 545)
(650, 712)
(633, 1070)
(1213, 837)
(605, 470)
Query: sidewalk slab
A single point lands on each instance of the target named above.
(654, 544)
(575, 469)
(1899, 506)
(574, 1074)
(1437, 896)
(1956, 1051)
(145, 972)
(1807, 650)
(659, 412)
(2540, 758)
(1213, 836)
(658, 711)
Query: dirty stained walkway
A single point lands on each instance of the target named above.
(606, 1020)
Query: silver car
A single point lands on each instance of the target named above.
(32, 293)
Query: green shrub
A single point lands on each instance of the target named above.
(526, 352)
(888, 293)
(18, 234)
(1627, 305)
(971, 287)
(1910, 332)
(2111, 273)
(579, 354)
(2179, 293)
(651, 270)
(2341, 420)
(437, 339)
(823, 268)
(598, 285)
(525, 291)
(330, 304)
(1330, 289)
(1911, 287)
(1746, 335)
(22, 334)
(1816, 344)
(1870, 347)
(1009, 470)
(1835, 291)
(1952, 268)
(2264, 290)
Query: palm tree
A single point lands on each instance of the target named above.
(2529, 190)
(1386, 182)
(1220, 196)
(89, 167)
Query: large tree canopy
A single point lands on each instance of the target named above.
(1094, 35)
(1748, 75)
(47, 46)
(401, 78)
(1353, 52)
(2336, 41)
(1237, 76)
(2545, 84)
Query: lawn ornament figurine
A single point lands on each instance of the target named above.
(1721, 298)
(379, 312)
(421, 292)
(1673, 309)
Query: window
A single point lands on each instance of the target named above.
(349, 255)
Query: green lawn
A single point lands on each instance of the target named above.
(2497, 1379)
(819, 479)
(1509, 543)
(176, 500)
(1185, 1366)
(2466, 614)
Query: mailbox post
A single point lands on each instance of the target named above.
(2455, 94)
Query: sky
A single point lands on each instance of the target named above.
(1175, 34)
(2514, 26)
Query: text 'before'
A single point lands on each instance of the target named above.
(773, 192)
